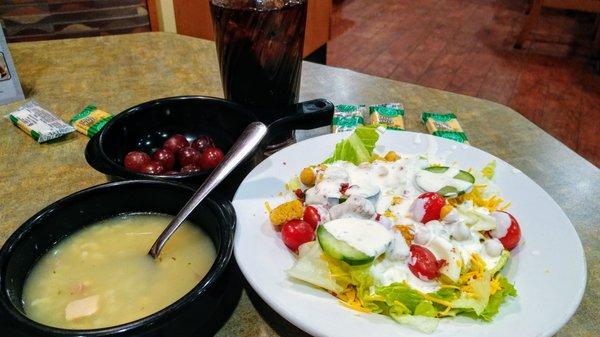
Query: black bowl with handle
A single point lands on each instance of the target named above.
(197, 313)
(146, 126)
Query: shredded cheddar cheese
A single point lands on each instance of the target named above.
(349, 298)
(389, 214)
(435, 299)
(468, 277)
(495, 285)
(447, 208)
(445, 312)
(492, 203)
(406, 232)
(488, 170)
(477, 263)
(475, 273)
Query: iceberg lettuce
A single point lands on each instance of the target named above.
(311, 268)
(357, 148)
(422, 323)
(498, 298)
(478, 299)
(473, 308)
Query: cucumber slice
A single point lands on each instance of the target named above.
(340, 250)
(451, 191)
(462, 175)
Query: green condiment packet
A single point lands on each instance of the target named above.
(90, 120)
(444, 125)
(390, 115)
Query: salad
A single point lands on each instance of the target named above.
(407, 236)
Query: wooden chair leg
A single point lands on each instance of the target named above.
(532, 19)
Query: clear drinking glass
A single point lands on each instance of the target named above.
(259, 44)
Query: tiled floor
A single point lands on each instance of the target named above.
(465, 46)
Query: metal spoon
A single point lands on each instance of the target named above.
(243, 146)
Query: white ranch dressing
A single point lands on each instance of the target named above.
(387, 272)
(502, 224)
(367, 236)
(433, 182)
(394, 187)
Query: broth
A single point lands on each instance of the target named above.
(102, 275)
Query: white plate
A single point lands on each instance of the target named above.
(548, 268)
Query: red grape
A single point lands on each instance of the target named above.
(175, 143)
(135, 160)
(211, 157)
(152, 168)
(202, 142)
(190, 169)
(165, 158)
(188, 155)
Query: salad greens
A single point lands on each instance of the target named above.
(477, 291)
(312, 269)
(506, 289)
(398, 300)
(357, 148)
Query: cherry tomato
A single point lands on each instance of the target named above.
(423, 263)
(296, 232)
(427, 207)
(202, 142)
(505, 220)
(152, 168)
(188, 155)
(312, 216)
(211, 158)
(135, 160)
(191, 168)
(165, 158)
(175, 143)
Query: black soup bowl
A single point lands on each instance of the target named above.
(146, 126)
(186, 317)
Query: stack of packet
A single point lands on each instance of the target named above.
(445, 126)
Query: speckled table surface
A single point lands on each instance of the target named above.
(117, 72)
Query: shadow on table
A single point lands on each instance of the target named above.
(275, 321)
(230, 285)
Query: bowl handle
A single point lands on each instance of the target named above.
(93, 156)
(305, 115)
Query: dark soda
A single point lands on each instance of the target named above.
(260, 50)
